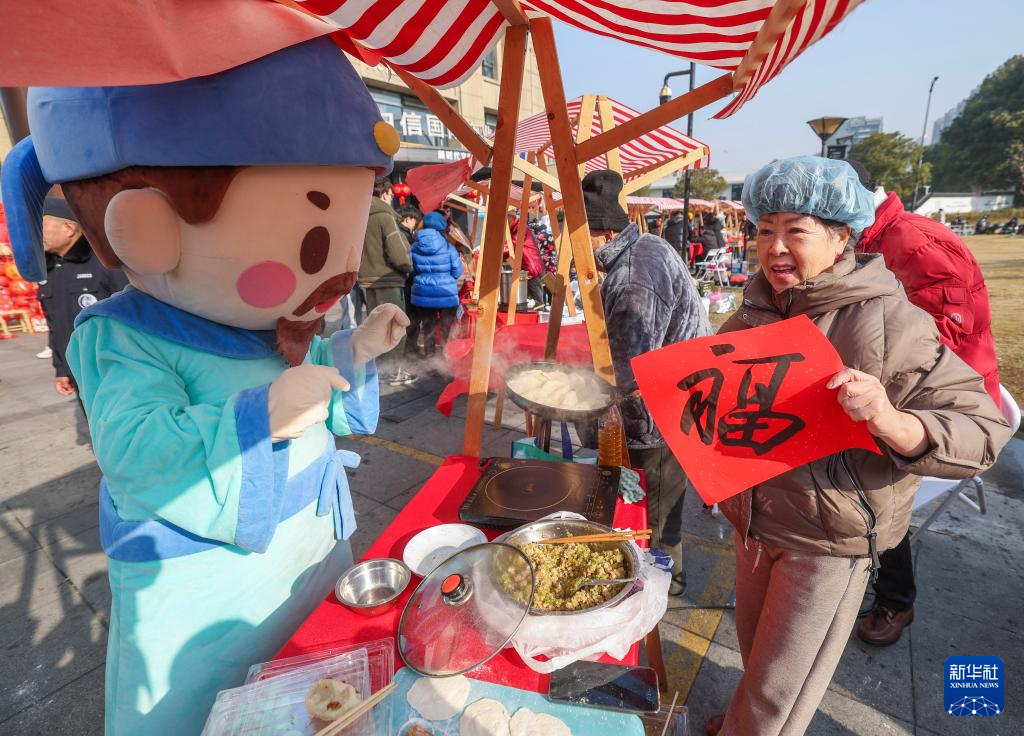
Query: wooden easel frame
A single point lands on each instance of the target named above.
(569, 157)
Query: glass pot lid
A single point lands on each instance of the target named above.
(466, 610)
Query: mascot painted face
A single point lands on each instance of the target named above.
(236, 204)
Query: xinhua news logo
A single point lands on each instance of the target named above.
(974, 686)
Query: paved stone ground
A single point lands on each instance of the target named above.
(54, 597)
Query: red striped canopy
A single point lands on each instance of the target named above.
(443, 41)
(658, 146)
(668, 204)
(70, 42)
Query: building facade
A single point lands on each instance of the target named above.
(425, 140)
(853, 131)
(942, 122)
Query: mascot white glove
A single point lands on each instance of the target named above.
(299, 399)
(380, 332)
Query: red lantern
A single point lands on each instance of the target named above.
(401, 190)
(472, 194)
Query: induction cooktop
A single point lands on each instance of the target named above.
(514, 492)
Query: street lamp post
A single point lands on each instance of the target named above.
(825, 128)
(924, 128)
(663, 97)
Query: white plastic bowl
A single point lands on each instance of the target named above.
(432, 546)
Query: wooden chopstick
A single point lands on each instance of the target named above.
(671, 712)
(625, 536)
(340, 724)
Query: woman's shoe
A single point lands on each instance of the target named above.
(714, 724)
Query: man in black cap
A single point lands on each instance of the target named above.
(75, 279)
(650, 301)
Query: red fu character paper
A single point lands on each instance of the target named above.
(740, 408)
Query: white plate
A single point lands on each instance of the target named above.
(432, 546)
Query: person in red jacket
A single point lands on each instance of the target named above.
(940, 276)
(532, 263)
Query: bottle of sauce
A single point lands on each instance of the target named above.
(610, 438)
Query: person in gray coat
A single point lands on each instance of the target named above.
(650, 301)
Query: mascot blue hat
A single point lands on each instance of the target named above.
(303, 105)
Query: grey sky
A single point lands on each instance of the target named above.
(878, 62)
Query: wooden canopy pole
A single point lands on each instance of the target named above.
(584, 124)
(572, 194)
(438, 105)
(468, 203)
(512, 67)
(604, 109)
(666, 168)
(528, 167)
(512, 11)
(520, 242)
(779, 19)
(517, 248)
(565, 265)
(707, 93)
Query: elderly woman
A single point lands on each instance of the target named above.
(807, 540)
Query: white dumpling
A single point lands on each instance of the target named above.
(484, 718)
(527, 723)
(438, 698)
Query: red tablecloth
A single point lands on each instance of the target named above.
(331, 624)
(513, 344)
(466, 327)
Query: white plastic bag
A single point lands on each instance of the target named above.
(567, 639)
(725, 304)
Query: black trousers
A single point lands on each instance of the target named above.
(666, 490)
(895, 586)
(535, 289)
(425, 320)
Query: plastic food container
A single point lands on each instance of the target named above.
(272, 702)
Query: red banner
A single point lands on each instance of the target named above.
(433, 183)
(740, 408)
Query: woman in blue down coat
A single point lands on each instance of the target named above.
(436, 267)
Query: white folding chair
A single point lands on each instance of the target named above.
(719, 270)
(932, 488)
(703, 264)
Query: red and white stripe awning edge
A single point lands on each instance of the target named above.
(443, 41)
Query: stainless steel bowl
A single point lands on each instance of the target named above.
(556, 528)
(373, 586)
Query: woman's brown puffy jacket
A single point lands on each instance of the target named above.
(828, 506)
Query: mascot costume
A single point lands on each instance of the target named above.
(236, 204)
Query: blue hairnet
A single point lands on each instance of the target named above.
(811, 185)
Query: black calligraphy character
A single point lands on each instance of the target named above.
(754, 423)
(700, 407)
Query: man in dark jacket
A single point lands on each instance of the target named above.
(650, 301)
(383, 270)
(940, 276)
(712, 237)
(75, 279)
(677, 233)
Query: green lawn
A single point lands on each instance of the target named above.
(1001, 258)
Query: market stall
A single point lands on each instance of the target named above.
(485, 609)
